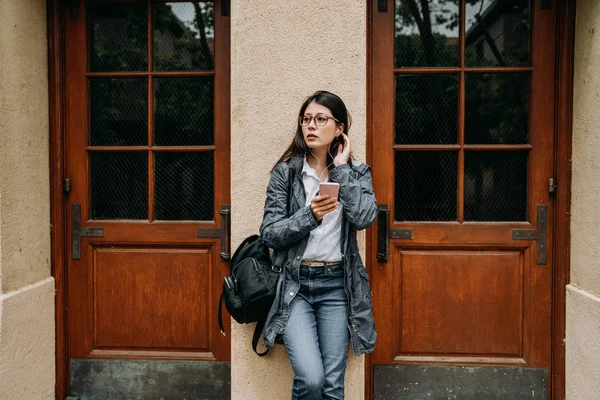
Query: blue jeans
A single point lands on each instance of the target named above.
(317, 336)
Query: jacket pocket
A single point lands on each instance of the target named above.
(362, 287)
(362, 308)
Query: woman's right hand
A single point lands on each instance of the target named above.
(321, 205)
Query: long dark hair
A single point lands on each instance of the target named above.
(338, 109)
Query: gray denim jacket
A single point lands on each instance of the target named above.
(288, 230)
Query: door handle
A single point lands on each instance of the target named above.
(223, 233)
(384, 233)
(226, 229)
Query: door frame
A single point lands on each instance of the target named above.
(55, 11)
(565, 44)
(56, 97)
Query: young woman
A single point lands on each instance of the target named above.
(323, 297)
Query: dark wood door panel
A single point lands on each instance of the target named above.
(486, 235)
(460, 302)
(147, 300)
(152, 298)
(116, 232)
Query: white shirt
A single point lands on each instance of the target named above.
(324, 243)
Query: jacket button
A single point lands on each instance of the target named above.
(291, 293)
(297, 258)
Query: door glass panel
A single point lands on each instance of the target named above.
(184, 111)
(184, 186)
(426, 33)
(184, 35)
(498, 33)
(497, 108)
(496, 186)
(426, 109)
(118, 36)
(119, 112)
(119, 185)
(425, 186)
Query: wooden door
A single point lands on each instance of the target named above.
(462, 150)
(147, 158)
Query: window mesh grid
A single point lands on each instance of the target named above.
(182, 107)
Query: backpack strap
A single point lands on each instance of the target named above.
(281, 255)
(279, 260)
(257, 332)
(277, 263)
(291, 173)
(220, 315)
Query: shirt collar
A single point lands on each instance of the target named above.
(308, 170)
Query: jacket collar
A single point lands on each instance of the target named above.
(297, 162)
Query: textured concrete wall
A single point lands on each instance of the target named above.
(27, 342)
(583, 345)
(280, 53)
(26, 289)
(583, 303)
(24, 176)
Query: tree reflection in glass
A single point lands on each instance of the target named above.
(118, 37)
(426, 33)
(497, 33)
(184, 36)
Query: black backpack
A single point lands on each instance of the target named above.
(249, 291)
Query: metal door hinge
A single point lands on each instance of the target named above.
(551, 186)
(77, 231)
(539, 234)
(67, 186)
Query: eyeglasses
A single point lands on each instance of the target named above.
(320, 119)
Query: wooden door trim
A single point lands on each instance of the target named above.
(562, 208)
(368, 386)
(562, 169)
(56, 97)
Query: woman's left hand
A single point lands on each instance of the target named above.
(343, 153)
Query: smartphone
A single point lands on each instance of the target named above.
(329, 188)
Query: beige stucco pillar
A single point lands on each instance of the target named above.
(282, 51)
(26, 288)
(583, 294)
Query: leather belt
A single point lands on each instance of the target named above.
(310, 263)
